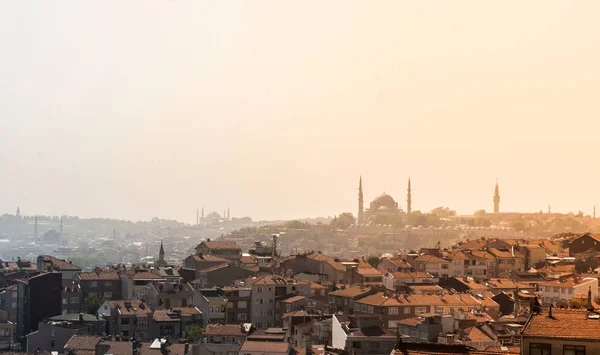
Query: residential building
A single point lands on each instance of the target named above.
(104, 283)
(7, 331)
(366, 275)
(167, 295)
(38, 298)
(212, 302)
(267, 293)
(485, 264)
(396, 264)
(221, 275)
(552, 331)
(584, 243)
(239, 304)
(563, 290)
(434, 265)
(425, 328)
(127, 318)
(508, 260)
(317, 263)
(53, 334)
(47, 263)
(174, 323)
(223, 249)
(72, 299)
(398, 280)
(222, 339)
(361, 335)
(342, 300)
(134, 282)
(199, 262)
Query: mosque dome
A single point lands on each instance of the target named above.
(384, 200)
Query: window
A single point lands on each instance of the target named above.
(14, 294)
(570, 291)
(211, 309)
(92, 294)
(370, 309)
(65, 300)
(108, 294)
(392, 324)
(259, 289)
(53, 344)
(420, 310)
(139, 335)
(261, 313)
(439, 310)
(74, 300)
(94, 284)
(242, 304)
(364, 308)
(555, 289)
(406, 310)
(259, 301)
(241, 316)
(356, 307)
(108, 283)
(573, 350)
(539, 349)
(53, 332)
(270, 312)
(143, 321)
(230, 305)
(125, 321)
(393, 311)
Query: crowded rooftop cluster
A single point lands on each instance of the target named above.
(483, 296)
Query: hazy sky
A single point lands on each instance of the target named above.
(136, 109)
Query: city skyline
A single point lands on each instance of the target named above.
(231, 105)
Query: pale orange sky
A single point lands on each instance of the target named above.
(274, 108)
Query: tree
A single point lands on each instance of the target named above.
(443, 212)
(343, 221)
(91, 304)
(373, 260)
(195, 332)
(518, 224)
(295, 224)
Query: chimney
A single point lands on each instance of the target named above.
(589, 300)
(550, 312)
(208, 240)
(81, 317)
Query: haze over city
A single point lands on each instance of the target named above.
(274, 109)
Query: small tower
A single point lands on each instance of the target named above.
(202, 213)
(408, 199)
(18, 214)
(360, 202)
(549, 210)
(594, 211)
(35, 228)
(161, 256)
(61, 226)
(197, 216)
(228, 213)
(496, 199)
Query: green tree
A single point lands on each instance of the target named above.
(443, 212)
(373, 260)
(295, 224)
(343, 221)
(91, 304)
(480, 213)
(195, 332)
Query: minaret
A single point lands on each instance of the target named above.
(61, 226)
(408, 199)
(594, 211)
(18, 214)
(161, 255)
(496, 199)
(360, 202)
(202, 213)
(197, 216)
(35, 228)
(549, 211)
(228, 213)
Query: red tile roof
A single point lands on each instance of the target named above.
(267, 347)
(350, 291)
(564, 324)
(103, 275)
(224, 330)
(222, 245)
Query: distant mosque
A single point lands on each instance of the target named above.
(383, 204)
